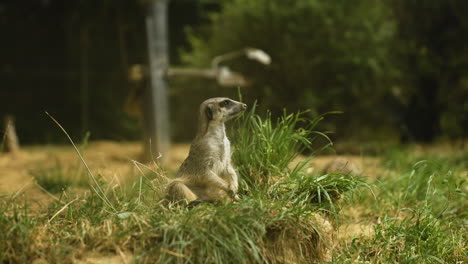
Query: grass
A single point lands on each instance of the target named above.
(57, 178)
(421, 209)
(16, 231)
(263, 227)
(254, 230)
(325, 191)
(266, 147)
(418, 238)
(418, 211)
(273, 145)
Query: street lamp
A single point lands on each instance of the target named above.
(251, 53)
(223, 74)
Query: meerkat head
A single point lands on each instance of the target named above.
(221, 109)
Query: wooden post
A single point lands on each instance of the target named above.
(10, 139)
(156, 114)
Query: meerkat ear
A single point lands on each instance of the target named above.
(209, 112)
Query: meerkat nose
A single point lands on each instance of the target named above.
(244, 106)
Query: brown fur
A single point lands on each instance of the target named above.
(207, 173)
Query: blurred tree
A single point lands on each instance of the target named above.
(404, 61)
(327, 55)
(390, 65)
(433, 56)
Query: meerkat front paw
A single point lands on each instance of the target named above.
(231, 194)
(234, 196)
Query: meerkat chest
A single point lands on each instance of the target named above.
(227, 150)
(220, 151)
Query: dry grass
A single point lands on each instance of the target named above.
(64, 226)
(74, 227)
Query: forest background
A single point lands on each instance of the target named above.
(397, 69)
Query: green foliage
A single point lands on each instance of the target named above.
(264, 148)
(433, 179)
(16, 236)
(387, 67)
(324, 54)
(325, 191)
(264, 151)
(344, 55)
(421, 208)
(420, 238)
(434, 62)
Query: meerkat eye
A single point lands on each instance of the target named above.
(225, 103)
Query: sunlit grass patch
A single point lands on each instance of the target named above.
(57, 178)
(417, 212)
(256, 229)
(421, 211)
(418, 238)
(439, 181)
(403, 158)
(268, 225)
(16, 230)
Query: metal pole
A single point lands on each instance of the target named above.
(158, 116)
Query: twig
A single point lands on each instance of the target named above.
(173, 253)
(2, 146)
(48, 193)
(61, 210)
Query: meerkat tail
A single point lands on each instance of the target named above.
(177, 191)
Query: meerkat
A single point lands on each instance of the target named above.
(207, 173)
